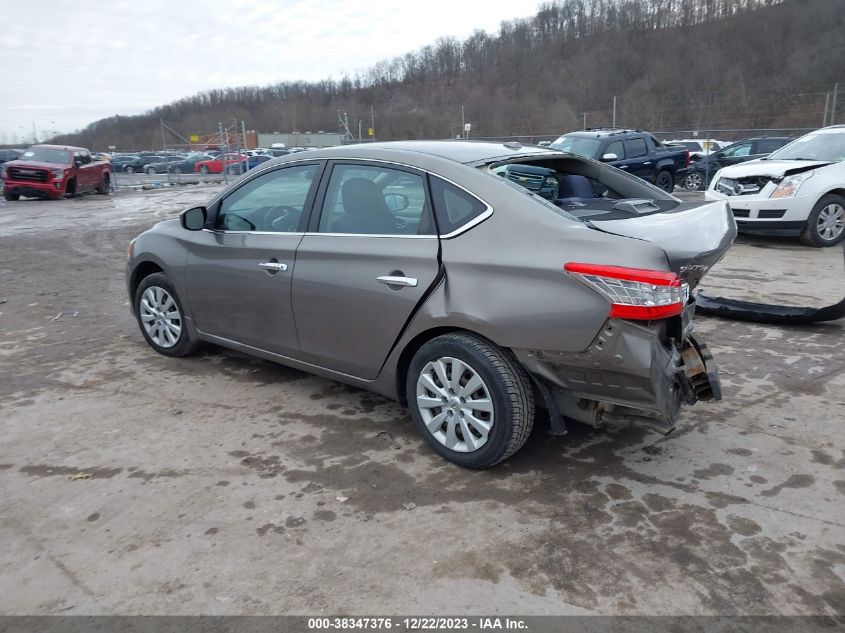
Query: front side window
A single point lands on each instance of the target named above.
(635, 147)
(742, 149)
(616, 148)
(272, 202)
(365, 199)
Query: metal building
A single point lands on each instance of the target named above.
(301, 139)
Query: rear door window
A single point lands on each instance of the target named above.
(767, 146)
(635, 147)
(374, 200)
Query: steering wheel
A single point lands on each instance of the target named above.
(279, 218)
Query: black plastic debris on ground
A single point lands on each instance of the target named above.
(767, 313)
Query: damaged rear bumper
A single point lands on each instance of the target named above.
(631, 373)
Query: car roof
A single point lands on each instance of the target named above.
(464, 152)
(603, 131)
(65, 147)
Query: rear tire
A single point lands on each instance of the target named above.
(204, 170)
(826, 224)
(129, 169)
(503, 394)
(12, 197)
(664, 181)
(694, 181)
(151, 171)
(161, 317)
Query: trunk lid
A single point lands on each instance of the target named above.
(694, 237)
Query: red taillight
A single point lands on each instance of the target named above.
(687, 163)
(634, 293)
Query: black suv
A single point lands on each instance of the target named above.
(701, 172)
(635, 151)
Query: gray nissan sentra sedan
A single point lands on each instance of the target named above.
(475, 283)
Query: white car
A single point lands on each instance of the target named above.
(797, 190)
(699, 148)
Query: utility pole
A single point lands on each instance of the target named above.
(463, 122)
(220, 133)
(826, 105)
(833, 104)
(372, 122)
(35, 134)
(585, 121)
(243, 130)
(163, 140)
(614, 111)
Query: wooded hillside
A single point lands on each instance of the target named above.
(672, 64)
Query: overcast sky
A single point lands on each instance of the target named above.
(64, 67)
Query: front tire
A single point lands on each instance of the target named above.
(826, 224)
(471, 400)
(151, 171)
(129, 169)
(664, 181)
(204, 170)
(161, 317)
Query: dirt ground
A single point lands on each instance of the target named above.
(219, 484)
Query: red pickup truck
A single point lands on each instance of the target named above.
(55, 171)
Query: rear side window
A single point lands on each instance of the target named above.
(635, 147)
(453, 206)
(767, 146)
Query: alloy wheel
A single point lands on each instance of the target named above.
(455, 404)
(693, 181)
(831, 221)
(160, 317)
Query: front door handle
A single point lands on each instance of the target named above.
(390, 280)
(276, 266)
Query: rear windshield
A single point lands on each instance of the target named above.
(47, 155)
(580, 145)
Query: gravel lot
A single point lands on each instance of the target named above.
(218, 484)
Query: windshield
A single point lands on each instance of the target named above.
(582, 145)
(47, 155)
(826, 147)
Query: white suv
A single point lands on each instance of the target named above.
(797, 190)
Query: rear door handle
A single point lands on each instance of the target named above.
(647, 162)
(397, 281)
(273, 266)
(623, 166)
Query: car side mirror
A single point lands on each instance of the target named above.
(194, 219)
(396, 201)
(609, 157)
